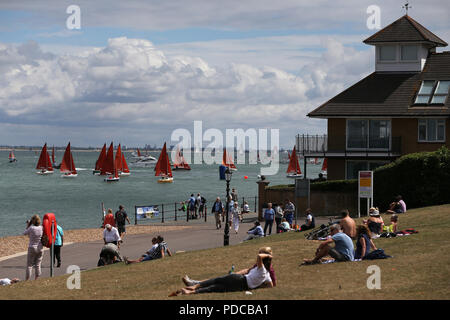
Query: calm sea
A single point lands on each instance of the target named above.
(76, 202)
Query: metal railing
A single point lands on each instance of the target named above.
(322, 144)
(176, 212)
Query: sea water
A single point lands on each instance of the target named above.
(77, 202)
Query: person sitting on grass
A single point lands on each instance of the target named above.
(347, 224)
(156, 252)
(375, 223)
(398, 206)
(7, 281)
(363, 242)
(255, 232)
(284, 226)
(309, 222)
(246, 279)
(343, 250)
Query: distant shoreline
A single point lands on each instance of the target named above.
(38, 149)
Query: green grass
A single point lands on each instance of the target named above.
(419, 269)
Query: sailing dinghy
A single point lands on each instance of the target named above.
(44, 164)
(293, 170)
(162, 168)
(120, 163)
(67, 167)
(109, 166)
(227, 161)
(324, 170)
(12, 157)
(99, 162)
(180, 162)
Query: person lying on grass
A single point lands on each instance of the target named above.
(246, 279)
(343, 250)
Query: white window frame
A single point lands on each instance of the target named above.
(426, 130)
(368, 134)
(409, 45)
(432, 94)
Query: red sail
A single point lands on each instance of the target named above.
(180, 162)
(108, 165)
(67, 164)
(294, 166)
(118, 159)
(53, 154)
(44, 162)
(11, 155)
(101, 158)
(227, 161)
(138, 152)
(324, 165)
(163, 165)
(124, 165)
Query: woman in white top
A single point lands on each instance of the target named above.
(35, 249)
(246, 279)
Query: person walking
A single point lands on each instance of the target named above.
(59, 240)
(269, 215)
(217, 210)
(121, 217)
(236, 213)
(278, 216)
(35, 249)
(111, 235)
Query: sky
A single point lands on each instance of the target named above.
(136, 71)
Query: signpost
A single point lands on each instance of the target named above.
(365, 189)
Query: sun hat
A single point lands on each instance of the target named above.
(374, 212)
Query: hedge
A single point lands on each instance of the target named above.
(422, 179)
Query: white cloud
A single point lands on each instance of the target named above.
(133, 86)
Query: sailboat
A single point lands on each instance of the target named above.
(139, 159)
(125, 170)
(179, 162)
(293, 169)
(119, 162)
(44, 164)
(67, 166)
(12, 157)
(109, 166)
(227, 161)
(162, 168)
(324, 170)
(99, 162)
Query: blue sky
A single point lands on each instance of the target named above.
(151, 67)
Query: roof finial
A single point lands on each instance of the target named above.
(406, 7)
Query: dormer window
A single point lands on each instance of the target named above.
(409, 52)
(388, 53)
(433, 92)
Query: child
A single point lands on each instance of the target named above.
(392, 228)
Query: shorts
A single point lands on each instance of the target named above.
(121, 228)
(337, 255)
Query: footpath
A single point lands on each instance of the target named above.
(85, 255)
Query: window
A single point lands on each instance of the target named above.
(353, 166)
(388, 53)
(431, 130)
(368, 134)
(432, 92)
(409, 53)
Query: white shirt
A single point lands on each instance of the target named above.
(5, 282)
(257, 276)
(111, 236)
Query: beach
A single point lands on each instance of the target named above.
(16, 244)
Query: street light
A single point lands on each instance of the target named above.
(226, 236)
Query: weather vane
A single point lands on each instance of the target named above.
(406, 7)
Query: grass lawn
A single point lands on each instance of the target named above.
(419, 269)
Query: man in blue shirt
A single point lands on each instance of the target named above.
(269, 215)
(255, 232)
(342, 251)
(217, 210)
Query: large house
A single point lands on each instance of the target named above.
(401, 108)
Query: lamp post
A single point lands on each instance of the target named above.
(226, 236)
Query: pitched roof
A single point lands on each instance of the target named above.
(405, 29)
(389, 94)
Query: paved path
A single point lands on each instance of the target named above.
(86, 254)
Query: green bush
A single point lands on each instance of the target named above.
(422, 179)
